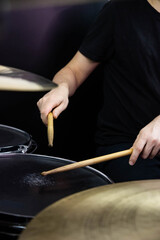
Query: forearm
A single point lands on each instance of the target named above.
(67, 78)
(75, 73)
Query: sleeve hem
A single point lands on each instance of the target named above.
(90, 55)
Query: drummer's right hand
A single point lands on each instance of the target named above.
(56, 100)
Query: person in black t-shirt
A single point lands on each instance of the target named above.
(126, 38)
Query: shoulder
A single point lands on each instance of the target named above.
(117, 2)
(114, 9)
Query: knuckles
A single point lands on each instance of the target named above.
(143, 134)
(138, 149)
(155, 141)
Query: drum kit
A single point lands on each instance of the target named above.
(82, 204)
(24, 191)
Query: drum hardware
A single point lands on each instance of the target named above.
(17, 149)
(13, 79)
(22, 148)
(89, 162)
(123, 211)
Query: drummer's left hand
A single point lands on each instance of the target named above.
(147, 143)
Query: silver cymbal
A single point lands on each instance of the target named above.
(123, 211)
(13, 79)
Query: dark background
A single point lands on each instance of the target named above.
(42, 40)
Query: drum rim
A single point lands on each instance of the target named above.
(21, 148)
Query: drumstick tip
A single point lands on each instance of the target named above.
(50, 144)
(43, 173)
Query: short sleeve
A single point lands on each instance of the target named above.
(98, 43)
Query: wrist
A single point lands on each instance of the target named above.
(63, 86)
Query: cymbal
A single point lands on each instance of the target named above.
(13, 79)
(121, 211)
(36, 3)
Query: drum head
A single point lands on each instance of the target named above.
(13, 139)
(25, 192)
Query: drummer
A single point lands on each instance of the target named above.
(125, 38)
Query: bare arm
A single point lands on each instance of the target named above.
(68, 79)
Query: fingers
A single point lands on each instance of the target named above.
(58, 108)
(138, 147)
(146, 145)
(44, 109)
(154, 152)
(57, 111)
(52, 101)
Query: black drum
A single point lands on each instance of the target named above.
(25, 192)
(14, 140)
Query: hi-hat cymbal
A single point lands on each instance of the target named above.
(13, 79)
(123, 211)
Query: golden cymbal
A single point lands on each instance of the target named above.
(13, 79)
(123, 211)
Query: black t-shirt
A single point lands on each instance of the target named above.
(126, 39)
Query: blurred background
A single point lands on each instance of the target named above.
(42, 38)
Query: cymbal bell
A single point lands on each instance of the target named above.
(123, 211)
(13, 79)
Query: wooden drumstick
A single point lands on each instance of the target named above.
(50, 129)
(89, 162)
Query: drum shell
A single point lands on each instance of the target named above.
(14, 140)
(11, 226)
